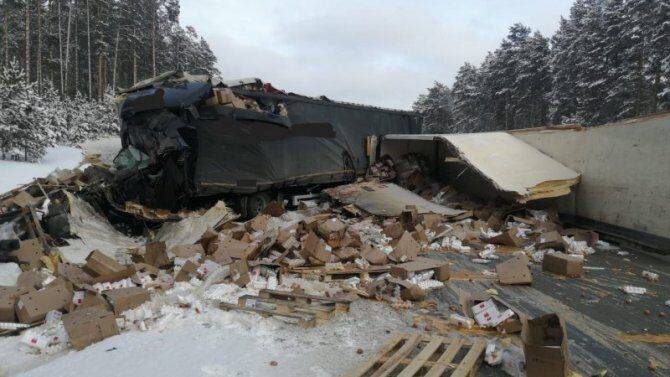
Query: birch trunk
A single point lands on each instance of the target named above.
(67, 44)
(28, 41)
(39, 45)
(60, 51)
(88, 38)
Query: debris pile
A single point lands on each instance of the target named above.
(369, 239)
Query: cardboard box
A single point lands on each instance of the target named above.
(187, 270)
(32, 307)
(92, 300)
(509, 237)
(239, 273)
(8, 297)
(234, 249)
(126, 298)
(545, 346)
(374, 256)
(409, 217)
(90, 325)
(98, 264)
(431, 221)
(394, 230)
(156, 255)
(332, 231)
(346, 253)
(73, 274)
(405, 270)
(258, 223)
(187, 251)
(514, 271)
(550, 240)
(30, 279)
(563, 264)
(408, 291)
(406, 249)
(29, 254)
(208, 237)
(316, 251)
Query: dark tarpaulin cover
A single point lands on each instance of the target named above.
(324, 143)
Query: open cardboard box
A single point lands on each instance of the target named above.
(545, 345)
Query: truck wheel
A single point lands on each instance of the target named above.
(256, 203)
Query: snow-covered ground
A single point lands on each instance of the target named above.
(211, 342)
(15, 173)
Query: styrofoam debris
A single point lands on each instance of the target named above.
(493, 354)
(460, 320)
(427, 285)
(577, 247)
(651, 276)
(633, 290)
(622, 253)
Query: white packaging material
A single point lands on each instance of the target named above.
(386, 249)
(490, 274)
(363, 264)
(434, 246)
(13, 326)
(480, 260)
(538, 256)
(651, 276)
(427, 285)
(208, 267)
(460, 320)
(353, 281)
(107, 286)
(493, 354)
(622, 253)
(78, 297)
(630, 289)
(52, 317)
(487, 314)
(273, 282)
(422, 276)
(35, 339)
(514, 362)
(667, 303)
(577, 247)
(488, 252)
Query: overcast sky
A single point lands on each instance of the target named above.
(382, 53)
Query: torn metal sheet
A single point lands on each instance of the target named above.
(94, 232)
(188, 230)
(386, 199)
(516, 170)
(513, 166)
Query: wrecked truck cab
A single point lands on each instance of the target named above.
(245, 140)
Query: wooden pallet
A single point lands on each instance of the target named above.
(330, 275)
(340, 304)
(407, 355)
(304, 310)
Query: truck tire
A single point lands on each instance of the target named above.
(256, 203)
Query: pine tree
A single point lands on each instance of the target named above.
(467, 98)
(435, 108)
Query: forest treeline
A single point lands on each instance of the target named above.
(608, 60)
(68, 56)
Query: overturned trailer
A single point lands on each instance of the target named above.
(187, 137)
